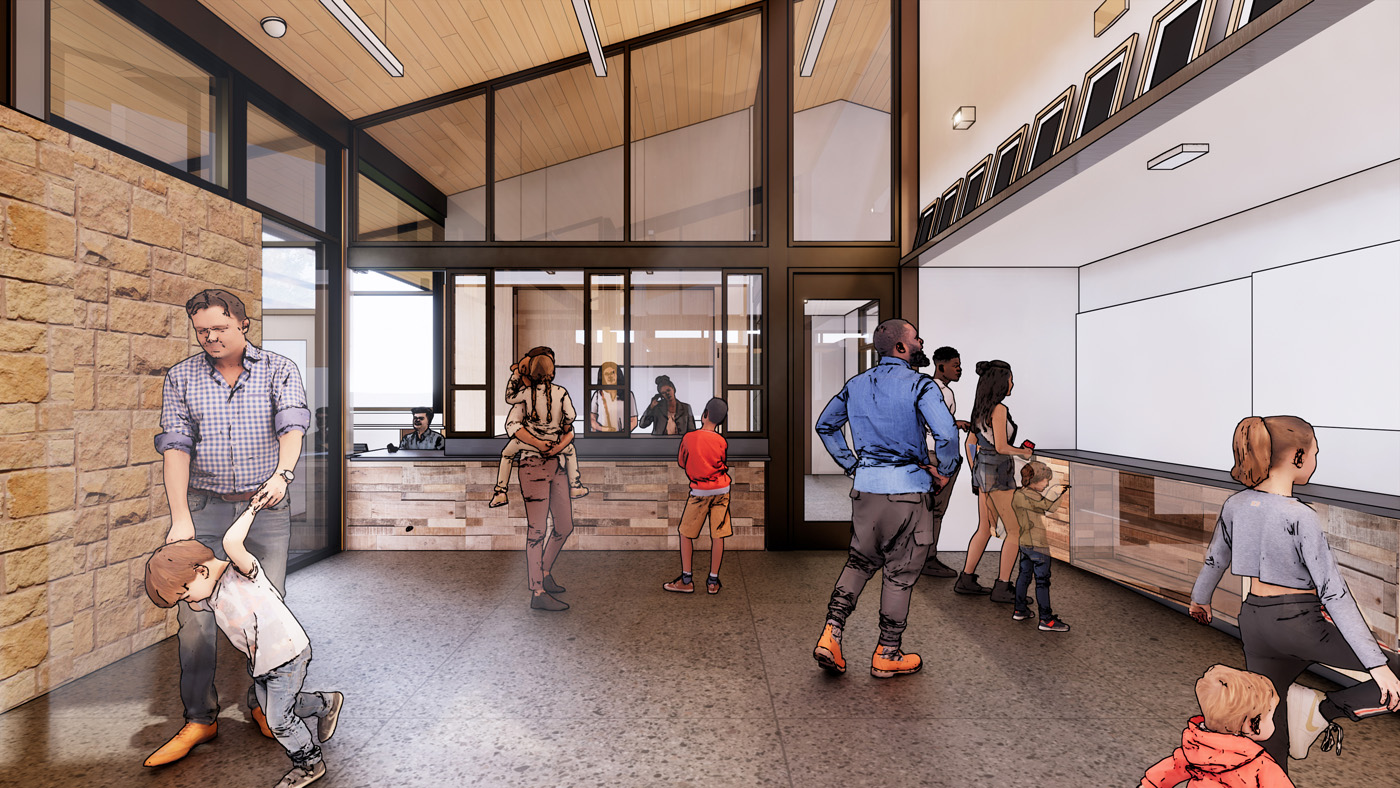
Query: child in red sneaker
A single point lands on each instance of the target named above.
(1030, 505)
(1221, 746)
(702, 455)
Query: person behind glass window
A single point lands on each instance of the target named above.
(422, 437)
(322, 439)
(667, 415)
(606, 412)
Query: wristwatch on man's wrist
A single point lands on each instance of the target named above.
(286, 475)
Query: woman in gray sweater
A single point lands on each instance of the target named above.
(1267, 535)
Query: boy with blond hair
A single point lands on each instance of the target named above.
(1030, 505)
(251, 613)
(1221, 746)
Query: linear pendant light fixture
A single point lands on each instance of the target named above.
(589, 30)
(357, 28)
(818, 34)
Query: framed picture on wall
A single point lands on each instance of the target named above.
(1008, 161)
(1242, 12)
(946, 205)
(1178, 36)
(975, 185)
(1104, 86)
(1048, 130)
(926, 219)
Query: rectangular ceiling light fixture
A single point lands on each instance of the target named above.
(356, 27)
(1179, 155)
(589, 30)
(818, 34)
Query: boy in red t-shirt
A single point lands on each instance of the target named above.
(702, 456)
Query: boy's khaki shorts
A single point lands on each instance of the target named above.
(697, 508)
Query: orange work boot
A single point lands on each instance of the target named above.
(828, 652)
(890, 661)
(179, 746)
(261, 719)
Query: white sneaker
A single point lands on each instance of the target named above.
(1305, 720)
(299, 777)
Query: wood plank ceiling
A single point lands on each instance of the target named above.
(448, 44)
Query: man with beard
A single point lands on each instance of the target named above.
(889, 407)
(232, 421)
(947, 368)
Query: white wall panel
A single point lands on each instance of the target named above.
(1167, 378)
(1023, 316)
(1327, 340)
(1359, 460)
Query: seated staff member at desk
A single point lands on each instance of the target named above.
(422, 437)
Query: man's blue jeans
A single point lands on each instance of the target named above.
(280, 696)
(267, 541)
(1034, 562)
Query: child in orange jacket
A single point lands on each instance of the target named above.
(1221, 746)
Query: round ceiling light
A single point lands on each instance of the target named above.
(274, 26)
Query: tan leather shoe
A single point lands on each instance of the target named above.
(261, 719)
(179, 746)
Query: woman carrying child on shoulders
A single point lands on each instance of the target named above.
(1267, 535)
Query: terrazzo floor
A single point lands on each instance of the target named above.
(451, 680)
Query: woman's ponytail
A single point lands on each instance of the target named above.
(1253, 450)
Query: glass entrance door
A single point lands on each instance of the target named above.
(838, 314)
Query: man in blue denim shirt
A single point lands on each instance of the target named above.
(889, 408)
(232, 421)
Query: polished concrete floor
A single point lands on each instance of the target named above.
(450, 680)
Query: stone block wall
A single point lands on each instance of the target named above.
(441, 505)
(98, 255)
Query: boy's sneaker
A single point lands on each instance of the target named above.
(1306, 723)
(1020, 615)
(1055, 624)
(300, 776)
(713, 585)
(967, 584)
(578, 492)
(498, 499)
(890, 661)
(679, 586)
(325, 725)
(828, 651)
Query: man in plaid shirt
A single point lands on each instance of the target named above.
(231, 418)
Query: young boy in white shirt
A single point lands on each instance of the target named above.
(251, 613)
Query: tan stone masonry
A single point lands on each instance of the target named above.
(98, 255)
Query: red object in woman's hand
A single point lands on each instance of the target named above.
(1026, 444)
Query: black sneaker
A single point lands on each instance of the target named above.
(1021, 615)
(1053, 624)
(300, 776)
(936, 568)
(551, 587)
(967, 584)
(546, 602)
(1003, 592)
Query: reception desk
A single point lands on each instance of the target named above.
(434, 500)
(1147, 525)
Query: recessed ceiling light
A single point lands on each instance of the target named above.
(274, 26)
(964, 118)
(1181, 154)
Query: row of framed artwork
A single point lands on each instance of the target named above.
(1179, 34)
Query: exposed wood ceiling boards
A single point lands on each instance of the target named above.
(556, 118)
(267, 133)
(102, 62)
(446, 145)
(855, 59)
(443, 44)
(701, 75)
(380, 210)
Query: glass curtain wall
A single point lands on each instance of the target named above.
(559, 157)
(841, 124)
(385, 216)
(112, 78)
(295, 311)
(447, 146)
(533, 309)
(390, 348)
(695, 131)
(286, 172)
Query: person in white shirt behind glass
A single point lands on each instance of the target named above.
(422, 437)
